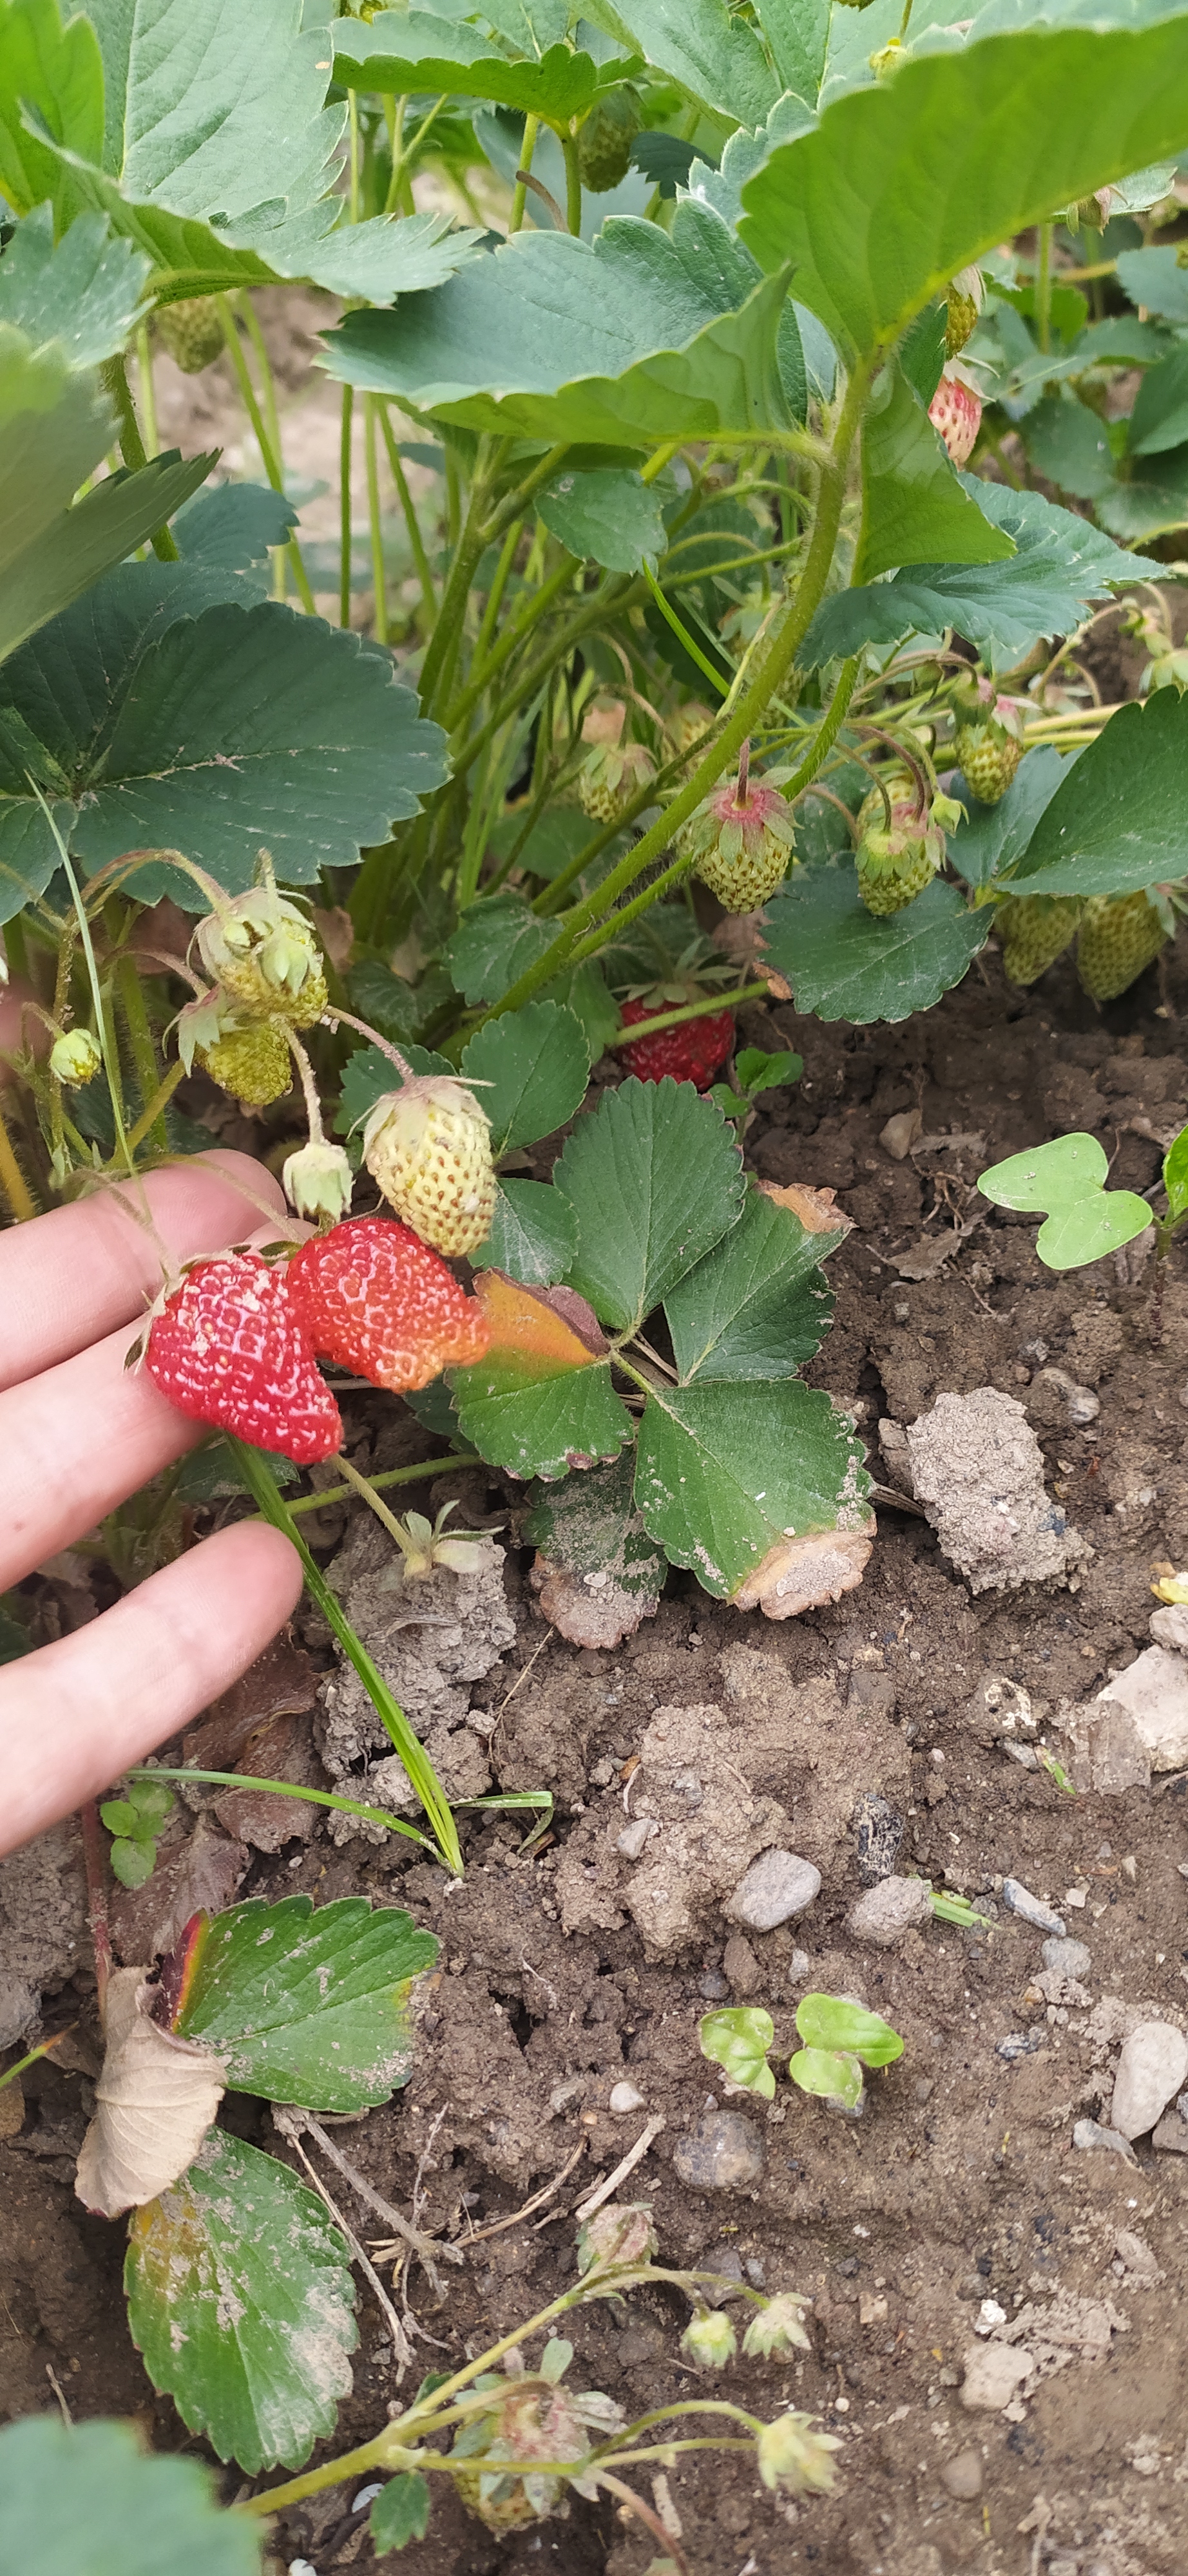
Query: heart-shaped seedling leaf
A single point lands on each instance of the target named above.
(822, 2070)
(241, 2301)
(738, 2040)
(1067, 1177)
(1175, 1177)
(832, 2022)
(400, 2513)
(86, 2496)
(302, 2006)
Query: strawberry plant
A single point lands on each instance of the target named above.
(696, 589)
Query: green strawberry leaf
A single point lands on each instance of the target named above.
(400, 2513)
(241, 2304)
(727, 1473)
(535, 1425)
(821, 2070)
(1044, 116)
(737, 2039)
(758, 1306)
(495, 942)
(55, 71)
(654, 1178)
(914, 509)
(84, 541)
(987, 845)
(843, 964)
(412, 49)
(1150, 501)
(1155, 279)
(831, 2021)
(623, 342)
(604, 1572)
(1175, 1177)
(1118, 821)
(231, 729)
(88, 291)
(1160, 416)
(307, 2007)
(537, 1065)
(89, 2497)
(711, 54)
(607, 517)
(1068, 1177)
(533, 1234)
(758, 1071)
(1061, 565)
(235, 525)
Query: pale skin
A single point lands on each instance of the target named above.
(78, 1434)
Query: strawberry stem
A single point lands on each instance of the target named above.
(313, 1106)
(742, 792)
(688, 1011)
(344, 1019)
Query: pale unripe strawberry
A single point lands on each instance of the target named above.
(252, 1062)
(428, 1150)
(989, 739)
(895, 862)
(192, 332)
(261, 950)
(956, 413)
(75, 1057)
(740, 839)
(688, 725)
(610, 778)
(1035, 930)
(1119, 936)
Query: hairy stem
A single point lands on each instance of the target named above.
(15, 1187)
(115, 376)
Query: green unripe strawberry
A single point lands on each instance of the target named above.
(896, 862)
(192, 333)
(989, 738)
(1119, 935)
(740, 840)
(611, 776)
(262, 952)
(964, 305)
(252, 1063)
(688, 725)
(1035, 930)
(605, 140)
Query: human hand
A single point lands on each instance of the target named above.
(78, 1434)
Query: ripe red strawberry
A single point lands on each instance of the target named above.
(956, 411)
(228, 1348)
(375, 1298)
(694, 1051)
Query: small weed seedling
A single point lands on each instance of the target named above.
(839, 2040)
(134, 1823)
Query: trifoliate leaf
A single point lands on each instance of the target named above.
(654, 1178)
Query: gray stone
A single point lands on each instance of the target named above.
(1019, 1900)
(1151, 2070)
(886, 1912)
(1153, 1690)
(1170, 2135)
(962, 2476)
(1105, 1750)
(723, 2153)
(1169, 1627)
(1019, 2043)
(1067, 1958)
(776, 1886)
(993, 2372)
(714, 1986)
(878, 1829)
(1092, 2139)
(635, 1837)
(624, 2098)
(999, 1711)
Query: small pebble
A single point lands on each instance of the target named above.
(635, 1837)
(1092, 2139)
(800, 1966)
(776, 1886)
(740, 1964)
(989, 2315)
(1151, 2070)
(1067, 1958)
(886, 1912)
(878, 1828)
(923, 2089)
(624, 2098)
(714, 1986)
(723, 2153)
(1019, 1900)
(1019, 2043)
(992, 2374)
(962, 2476)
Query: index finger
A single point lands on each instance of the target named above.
(68, 1278)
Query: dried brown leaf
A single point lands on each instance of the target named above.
(805, 1573)
(154, 2102)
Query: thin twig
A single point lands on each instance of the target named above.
(290, 2125)
(606, 2190)
(632, 2503)
(530, 2206)
(429, 2248)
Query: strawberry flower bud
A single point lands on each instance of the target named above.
(75, 1057)
(621, 2233)
(318, 1182)
(777, 2326)
(790, 2454)
(261, 949)
(710, 2338)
